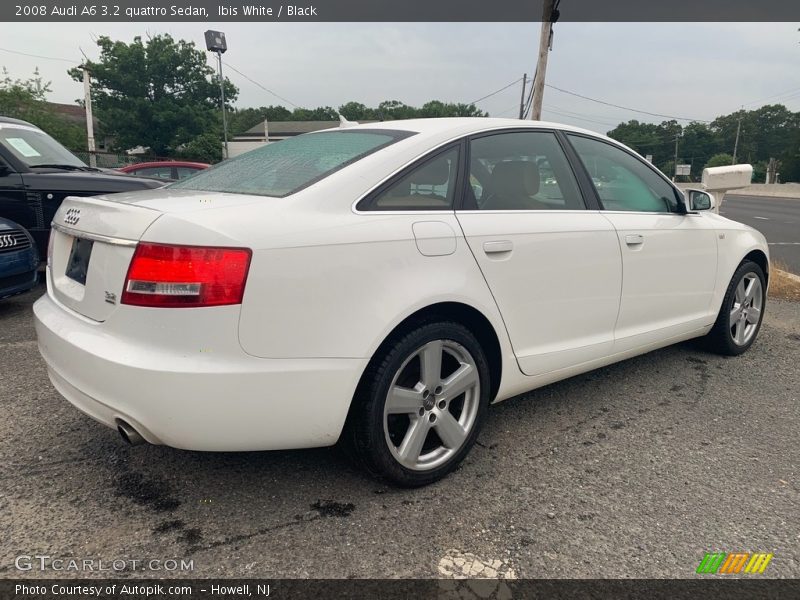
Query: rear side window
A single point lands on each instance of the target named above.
(623, 182)
(282, 168)
(427, 186)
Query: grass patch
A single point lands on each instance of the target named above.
(782, 285)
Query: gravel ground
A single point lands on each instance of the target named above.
(634, 470)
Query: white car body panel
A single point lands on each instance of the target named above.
(558, 285)
(329, 283)
(670, 266)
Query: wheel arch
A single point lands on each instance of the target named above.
(464, 314)
(760, 258)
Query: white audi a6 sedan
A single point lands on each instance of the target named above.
(381, 285)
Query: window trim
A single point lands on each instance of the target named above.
(587, 204)
(682, 209)
(366, 204)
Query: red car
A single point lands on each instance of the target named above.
(165, 169)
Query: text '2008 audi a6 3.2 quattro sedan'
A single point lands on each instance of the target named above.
(381, 285)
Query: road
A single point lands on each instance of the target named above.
(777, 218)
(634, 470)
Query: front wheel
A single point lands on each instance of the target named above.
(420, 404)
(742, 311)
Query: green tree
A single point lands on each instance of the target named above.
(240, 120)
(204, 148)
(26, 99)
(159, 93)
(719, 160)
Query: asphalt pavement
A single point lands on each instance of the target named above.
(634, 470)
(777, 218)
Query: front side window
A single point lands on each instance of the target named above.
(429, 186)
(622, 181)
(282, 168)
(520, 171)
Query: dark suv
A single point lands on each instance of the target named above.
(37, 173)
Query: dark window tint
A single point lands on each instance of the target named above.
(157, 172)
(521, 171)
(282, 168)
(429, 186)
(184, 172)
(622, 181)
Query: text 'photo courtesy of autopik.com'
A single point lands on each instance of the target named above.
(439, 300)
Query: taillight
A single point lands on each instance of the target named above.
(185, 276)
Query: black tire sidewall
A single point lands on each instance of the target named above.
(724, 321)
(381, 456)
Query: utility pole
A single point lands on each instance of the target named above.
(549, 16)
(522, 98)
(675, 166)
(87, 101)
(736, 143)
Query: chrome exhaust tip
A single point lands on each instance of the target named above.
(129, 434)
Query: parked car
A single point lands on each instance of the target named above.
(37, 173)
(171, 170)
(19, 260)
(381, 285)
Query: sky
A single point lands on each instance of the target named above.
(695, 70)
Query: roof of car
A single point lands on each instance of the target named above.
(465, 125)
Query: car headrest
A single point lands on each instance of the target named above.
(515, 177)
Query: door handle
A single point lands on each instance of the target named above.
(498, 246)
(634, 239)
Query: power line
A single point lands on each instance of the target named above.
(251, 80)
(563, 114)
(505, 87)
(644, 112)
(74, 62)
(771, 97)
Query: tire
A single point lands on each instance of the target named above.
(419, 432)
(741, 314)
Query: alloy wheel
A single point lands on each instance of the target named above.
(432, 405)
(746, 309)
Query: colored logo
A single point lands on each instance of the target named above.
(734, 562)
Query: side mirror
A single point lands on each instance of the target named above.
(699, 200)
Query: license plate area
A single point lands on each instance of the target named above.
(78, 262)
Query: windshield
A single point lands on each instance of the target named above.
(34, 147)
(282, 168)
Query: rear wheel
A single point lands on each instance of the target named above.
(742, 311)
(420, 405)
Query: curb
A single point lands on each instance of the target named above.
(792, 276)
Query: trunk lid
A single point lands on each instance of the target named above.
(94, 238)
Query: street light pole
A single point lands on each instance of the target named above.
(216, 42)
(222, 101)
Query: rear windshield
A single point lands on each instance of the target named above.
(282, 168)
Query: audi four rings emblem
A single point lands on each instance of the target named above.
(72, 216)
(7, 241)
